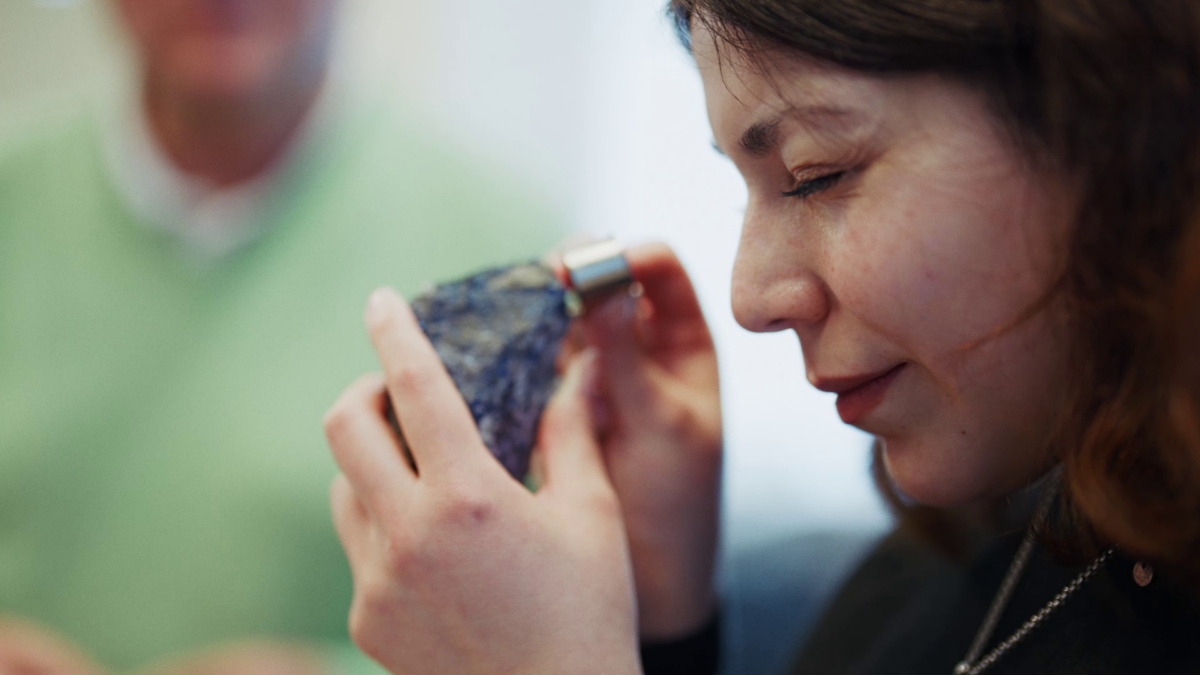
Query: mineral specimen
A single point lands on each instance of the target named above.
(499, 333)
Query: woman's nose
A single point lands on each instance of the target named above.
(774, 285)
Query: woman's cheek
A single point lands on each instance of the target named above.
(883, 276)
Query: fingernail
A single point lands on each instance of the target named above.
(617, 311)
(375, 305)
(590, 373)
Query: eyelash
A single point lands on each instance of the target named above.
(809, 188)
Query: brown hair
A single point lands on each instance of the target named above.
(1111, 90)
(1185, 402)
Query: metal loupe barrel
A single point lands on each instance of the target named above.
(598, 270)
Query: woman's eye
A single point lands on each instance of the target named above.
(811, 187)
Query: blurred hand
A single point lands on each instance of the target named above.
(246, 659)
(460, 569)
(29, 650)
(659, 413)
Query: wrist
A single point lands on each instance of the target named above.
(697, 653)
(623, 661)
(674, 580)
(674, 599)
(671, 617)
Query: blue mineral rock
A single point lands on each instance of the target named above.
(499, 333)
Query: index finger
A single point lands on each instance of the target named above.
(437, 425)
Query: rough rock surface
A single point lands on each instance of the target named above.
(499, 332)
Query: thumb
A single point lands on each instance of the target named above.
(572, 460)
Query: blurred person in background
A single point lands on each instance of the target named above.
(180, 271)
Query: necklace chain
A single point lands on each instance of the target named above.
(972, 664)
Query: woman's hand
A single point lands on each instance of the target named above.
(457, 567)
(26, 649)
(660, 419)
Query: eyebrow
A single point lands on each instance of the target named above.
(758, 140)
(763, 137)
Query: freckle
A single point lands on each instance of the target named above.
(963, 432)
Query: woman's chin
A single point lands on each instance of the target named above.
(933, 474)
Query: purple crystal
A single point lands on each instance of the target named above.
(499, 333)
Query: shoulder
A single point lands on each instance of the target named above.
(46, 126)
(901, 562)
(47, 150)
(1158, 623)
(902, 575)
(53, 185)
(399, 185)
(419, 157)
(50, 143)
(908, 609)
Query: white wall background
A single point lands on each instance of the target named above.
(599, 111)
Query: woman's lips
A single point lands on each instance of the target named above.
(854, 404)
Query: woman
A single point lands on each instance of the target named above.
(971, 214)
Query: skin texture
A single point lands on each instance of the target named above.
(227, 83)
(935, 249)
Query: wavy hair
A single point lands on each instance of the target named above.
(1109, 89)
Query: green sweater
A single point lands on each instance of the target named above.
(163, 474)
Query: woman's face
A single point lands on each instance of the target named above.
(897, 230)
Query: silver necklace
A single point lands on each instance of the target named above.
(972, 664)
